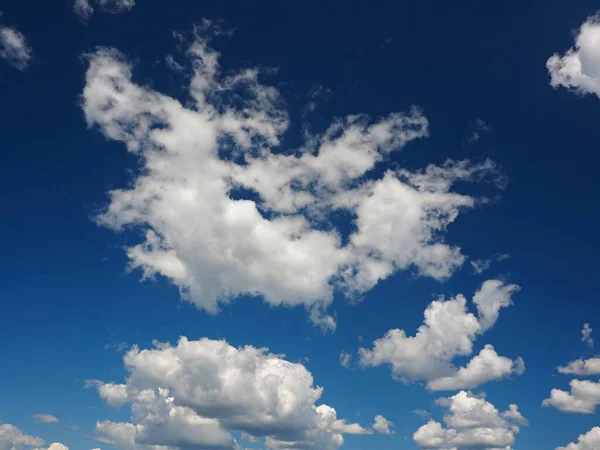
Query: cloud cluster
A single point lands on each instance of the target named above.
(194, 394)
(84, 8)
(226, 211)
(472, 422)
(448, 331)
(588, 441)
(583, 398)
(11, 438)
(14, 48)
(579, 67)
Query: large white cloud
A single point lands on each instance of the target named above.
(11, 438)
(583, 398)
(448, 331)
(227, 212)
(588, 441)
(14, 48)
(579, 67)
(84, 8)
(472, 422)
(194, 394)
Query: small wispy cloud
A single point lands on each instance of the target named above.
(14, 48)
(345, 359)
(586, 335)
(45, 418)
(482, 265)
(477, 129)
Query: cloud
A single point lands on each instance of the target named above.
(583, 398)
(582, 367)
(45, 418)
(193, 394)
(448, 331)
(477, 128)
(588, 441)
(345, 359)
(383, 426)
(485, 367)
(84, 8)
(579, 68)
(11, 438)
(586, 335)
(473, 422)
(482, 265)
(14, 48)
(227, 212)
(112, 394)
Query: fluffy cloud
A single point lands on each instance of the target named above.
(227, 212)
(11, 438)
(588, 441)
(383, 426)
(84, 8)
(582, 367)
(345, 359)
(14, 48)
(583, 398)
(579, 67)
(472, 423)
(194, 393)
(448, 331)
(586, 335)
(45, 418)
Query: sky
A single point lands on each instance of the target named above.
(299, 225)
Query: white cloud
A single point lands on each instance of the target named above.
(483, 265)
(485, 367)
(11, 438)
(14, 48)
(192, 394)
(280, 240)
(112, 394)
(45, 418)
(490, 298)
(582, 367)
(583, 398)
(586, 335)
(588, 441)
(345, 359)
(448, 331)
(383, 426)
(579, 67)
(472, 423)
(84, 8)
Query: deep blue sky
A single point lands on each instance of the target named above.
(66, 300)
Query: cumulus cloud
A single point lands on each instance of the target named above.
(14, 48)
(383, 426)
(582, 399)
(588, 441)
(472, 422)
(586, 335)
(45, 418)
(11, 438)
(579, 68)
(582, 367)
(193, 394)
(448, 331)
(227, 212)
(84, 8)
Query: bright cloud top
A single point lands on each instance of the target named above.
(588, 441)
(11, 438)
(448, 331)
(194, 394)
(579, 67)
(14, 48)
(227, 212)
(472, 422)
(84, 8)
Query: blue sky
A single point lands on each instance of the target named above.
(302, 177)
